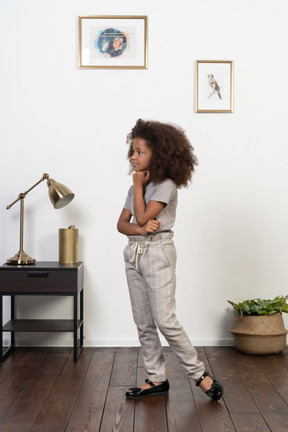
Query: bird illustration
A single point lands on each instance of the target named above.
(214, 85)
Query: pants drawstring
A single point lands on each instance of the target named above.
(137, 248)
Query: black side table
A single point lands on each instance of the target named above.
(39, 279)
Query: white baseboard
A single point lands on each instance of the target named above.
(135, 342)
(62, 341)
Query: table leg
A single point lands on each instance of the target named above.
(81, 318)
(12, 318)
(1, 323)
(75, 326)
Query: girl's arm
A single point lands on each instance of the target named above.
(124, 225)
(144, 213)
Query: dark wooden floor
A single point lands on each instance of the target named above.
(44, 390)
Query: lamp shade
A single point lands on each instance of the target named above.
(59, 194)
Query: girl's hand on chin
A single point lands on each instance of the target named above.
(141, 177)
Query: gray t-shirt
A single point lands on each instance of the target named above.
(165, 192)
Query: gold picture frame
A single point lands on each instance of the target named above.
(214, 86)
(113, 42)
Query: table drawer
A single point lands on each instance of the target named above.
(42, 281)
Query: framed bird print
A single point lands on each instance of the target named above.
(214, 86)
(112, 42)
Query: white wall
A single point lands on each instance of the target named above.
(232, 224)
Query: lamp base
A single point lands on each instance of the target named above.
(21, 258)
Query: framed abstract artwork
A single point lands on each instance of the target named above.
(214, 86)
(112, 42)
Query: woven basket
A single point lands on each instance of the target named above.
(259, 334)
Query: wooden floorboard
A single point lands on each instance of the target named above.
(43, 390)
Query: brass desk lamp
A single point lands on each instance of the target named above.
(59, 195)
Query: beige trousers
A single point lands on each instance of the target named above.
(150, 269)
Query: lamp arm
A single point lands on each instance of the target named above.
(22, 195)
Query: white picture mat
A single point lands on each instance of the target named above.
(134, 55)
(206, 99)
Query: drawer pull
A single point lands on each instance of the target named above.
(37, 274)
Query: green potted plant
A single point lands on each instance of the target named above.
(259, 326)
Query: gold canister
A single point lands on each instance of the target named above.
(68, 245)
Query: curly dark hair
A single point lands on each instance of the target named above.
(172, 152)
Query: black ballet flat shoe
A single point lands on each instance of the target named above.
(216, 391)
(155, 390)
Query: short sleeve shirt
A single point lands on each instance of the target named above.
(165, 192)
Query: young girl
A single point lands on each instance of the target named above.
(162, 159)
